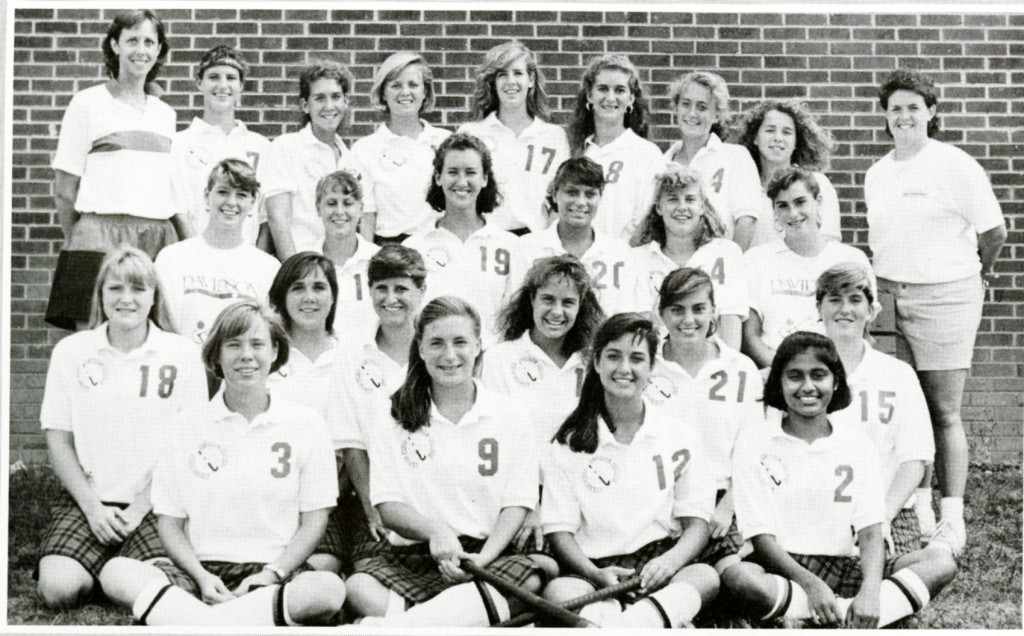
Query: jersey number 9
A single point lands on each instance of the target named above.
(488, 450)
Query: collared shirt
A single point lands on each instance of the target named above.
(242, 485)
(523, 166)
(117, 404)
(354, 313)
(521, 369)
(398, 173)
(294, 165)
(624, 496)
(311, 383)
(731, 181)
(630, 164)
(194, 153)
(722, 398)
(607, 259)
(767, 232)
(365, 378)
(719, 258)
(814, 497)
(122, 155)
(889, 407)
(462, 475)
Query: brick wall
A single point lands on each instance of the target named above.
(834, 62)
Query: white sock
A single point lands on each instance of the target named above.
(677, 602)
(161, 603)
(952, 508)
(797, 608)
(396, 603)
(458, 606)
(263, 606)
(902, 594)
(602, 612)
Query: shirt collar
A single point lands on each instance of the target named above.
(219, 411)
(623, 138)
(202, 127)
(309, 139)
(773, 420)
(152, 343)
(713, 144)
(484, 406)
(651, 428)
(527, 343)
(388, 134)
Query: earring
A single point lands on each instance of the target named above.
(712, 327)
(590, 106)
(629, 109)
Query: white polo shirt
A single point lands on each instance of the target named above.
(630, 164)
(117, 404)
(312, 383)
(354, 313)
(365, 378)
(624, 496)
(718, 402)
(398, 173)
(480, 270)
(781, 285)
(121, 154)
(294, 164)
(889, 407)
(194, 153)
(241, 485)
(462, 475)
(719, 258)
(198, 281)
(924, 214)
(523, 166)
(812, 497)
(607, 259)
(731, 180)
(828, 209)
(521, 369)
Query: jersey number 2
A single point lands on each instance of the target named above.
(846, 472)
(680, 458)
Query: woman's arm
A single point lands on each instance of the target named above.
(660, 569)
(990, 242)
(753, 345)
(730, 330)
(509, 521)
(279, 220)
(820, 598)
(103, 520)
(179, 548)
(570, 556)
(864, 610)
(903, 485)
(357, 463)
(312, 525)
(743, 231)
(65, 193)
(400, 517)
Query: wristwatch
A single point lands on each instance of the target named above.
(278, 572)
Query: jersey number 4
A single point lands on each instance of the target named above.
(680, 458)
(165, 383)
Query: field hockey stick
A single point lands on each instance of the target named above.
(628, 585)
(538, 603)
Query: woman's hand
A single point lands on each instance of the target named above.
(105, 524)
(822, 603)
(375, 525)
(212, 589)
(130, 518)
(611, 575)
(657, 573)
(452, 573)
(262, 578)
(445, 546)
(864, 610)
(529, 536)
(721, 520)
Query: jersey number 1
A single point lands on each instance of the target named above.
(167, 374)
(680, 458)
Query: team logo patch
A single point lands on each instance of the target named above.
(199, 157)
(92, 373)
(369, 376)
(393, 158)
(207, 460)
(600, 474)
(438, 258)
(660, 389)
(284, 371)
(199, 333)
(656, 278)
(417, 448)
(527, 371)
(773, 471)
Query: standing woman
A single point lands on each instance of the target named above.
(511, 116)
(297, 161)
(609, 126)
(935, 229)
(701, 100)
(452, 480)
(399, 153)
(111, 130)
(628, 491)
(682, 229)
(781, 134)
(110, 391)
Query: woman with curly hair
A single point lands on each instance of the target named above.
(511, 116)
(780, 134)
(609, 126)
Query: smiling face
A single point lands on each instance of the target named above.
(908, 117)
(555, 307)
(610, 95)
(513, 84)
(688, 319)
(137, 50)
(624, 366)
(576, 204)
(449, 349)
(326, 105)
(404, 93)
(339, 213)
(221, 87)
(396, 300)
(796, 209)
(696, 111)
(776, 138)
(807, 385)
(126, 304)
(228, 206)
(462, 178)
(245, 360)
(845, 313)
(308, 301)
(681, 210)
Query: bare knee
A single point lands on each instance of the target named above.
(63, 582)
(123, 579)
(366, 595)
(701, 577)
(937, 571)
(315, 597)
(325, 562)
(565, 588)
(546, 563)
(533, 583)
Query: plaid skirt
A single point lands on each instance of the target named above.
(841, 574)
(333, 541)
(230, 573)
(718, 549)
(68, 535)
(412, 573)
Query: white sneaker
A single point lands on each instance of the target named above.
(952, 534)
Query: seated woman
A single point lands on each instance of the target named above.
(627, 491)
(242, 493)
(452, 479)
(801, 485)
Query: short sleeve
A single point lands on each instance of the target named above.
(384, 459)
(829, 209)
(560, 508)
(869, 505)
(73, 143)
(318, 475)
(274, 171)
(731, 290)
(55, 412)
(751, 498)
(358, 167)
(694, 490)
(522, 479)
(914, 438)
(745, 192)
(347, 427)
(976, 199)
(165, 494)
(751, 262)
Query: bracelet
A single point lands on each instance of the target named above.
(278, 572)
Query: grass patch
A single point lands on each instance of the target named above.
(985, 595)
